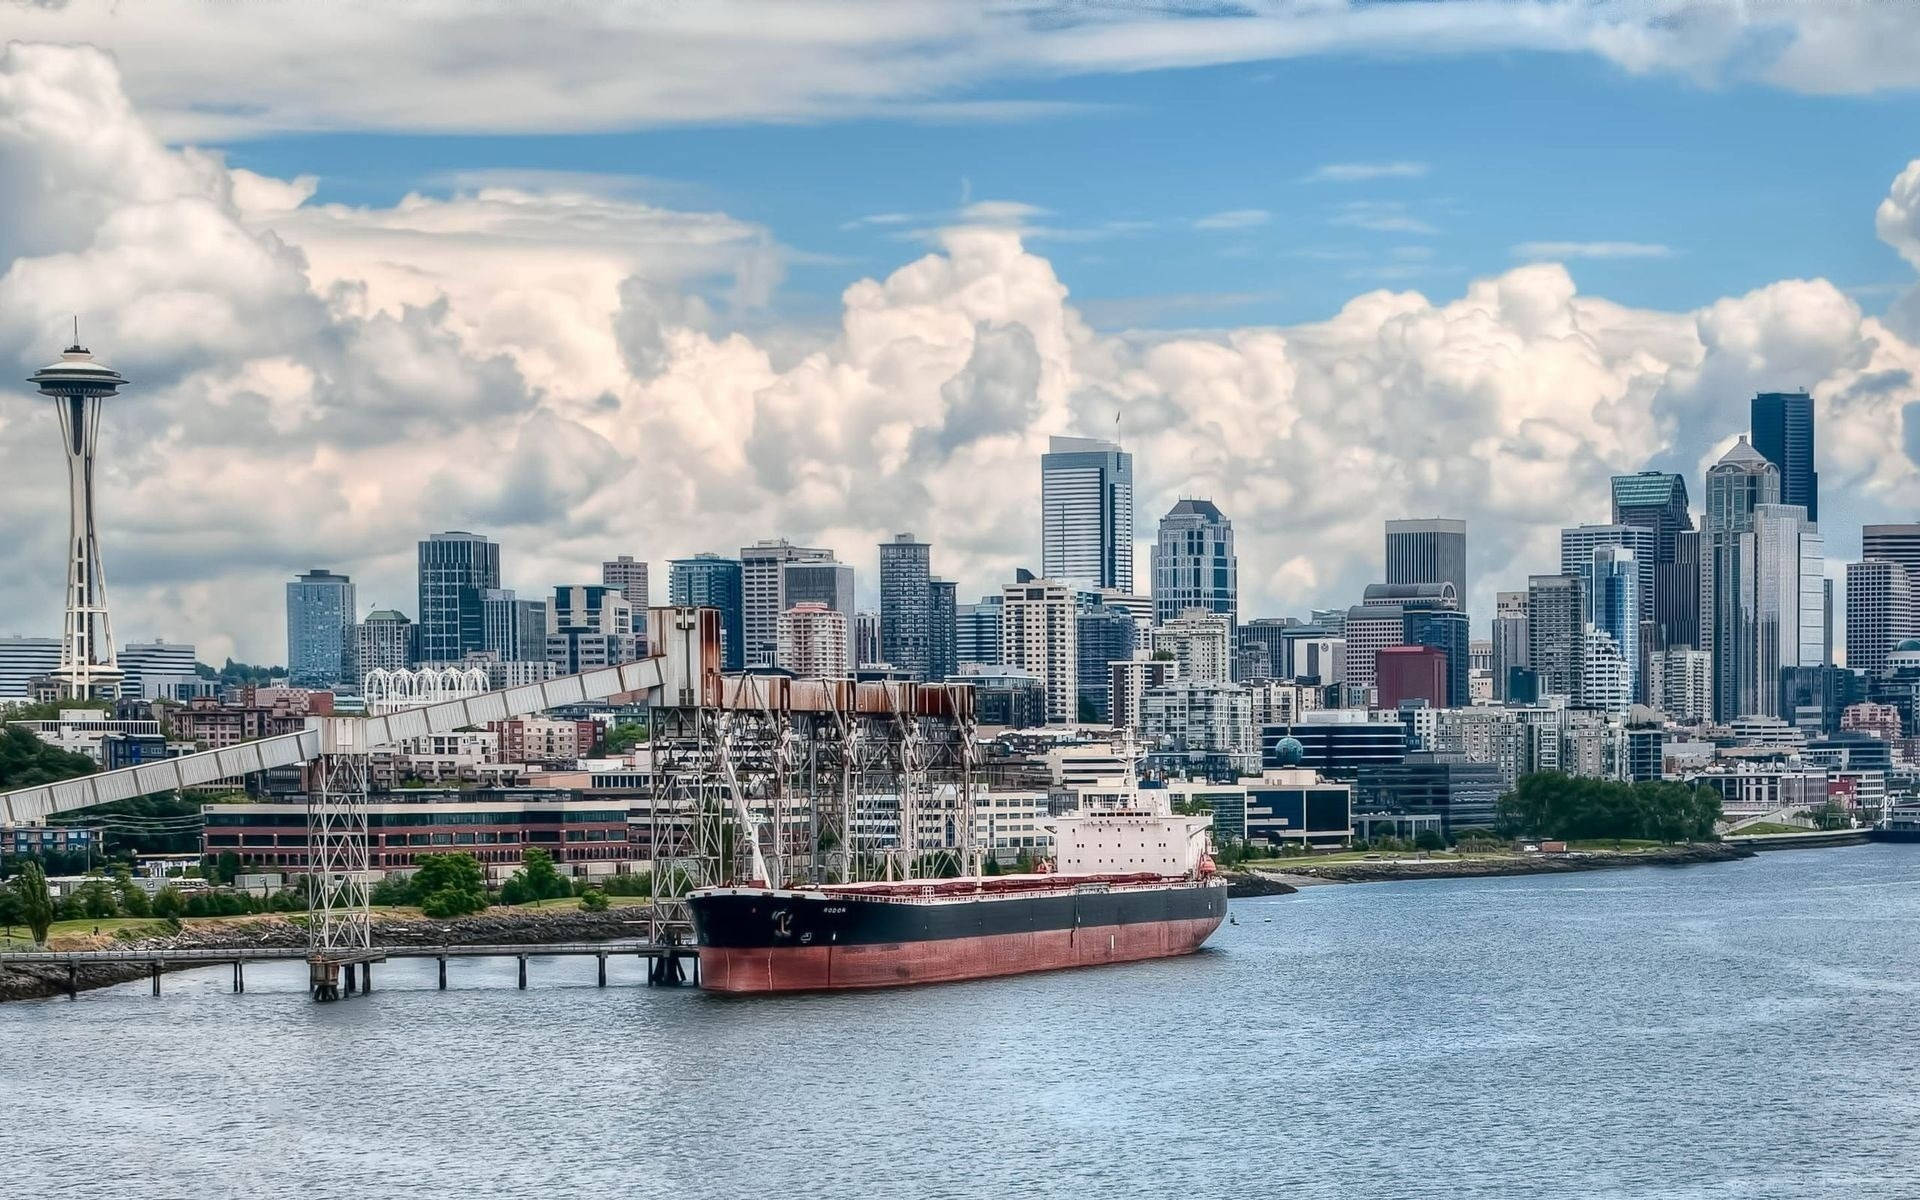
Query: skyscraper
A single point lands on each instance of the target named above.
(1194, 565)
(1555, 622)
(1657, 501)
(1270, 634)
(320, 615)
(1445, 630)
(589, 625)
(1879, 612)
(455, 568)
(906, 603)
(80, 386)
(1783, 432)
(628, 576)
(1428, 551)
(1103, 635)
(1896, 544)
(1038, 634)
(713, 581)
(157, 669)
(384, 641)
(977, 632)
(943, 655)
(1086, 513)
(1731, 589)
(829, 584)
(1610, 580)
(513, 630)
(1509, 638)
(763, 593)
(24, 659)
(1201, 644)
(813, 641)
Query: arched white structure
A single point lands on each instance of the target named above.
(394, 691)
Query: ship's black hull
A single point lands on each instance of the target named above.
(766, 941)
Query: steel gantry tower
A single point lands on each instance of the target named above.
(79, 386)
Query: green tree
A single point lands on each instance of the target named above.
(97, 900)
(131, 896)
(36, 903)
(536, 880)
(594, 900)
(13, 911)
(26, 761)
(227, 866)
(392, 891)
(168, 902)
(623, 737)
(1429, 839)
(449, 885)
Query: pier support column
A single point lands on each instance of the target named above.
(602, 956)
(239, 977)
(154, 970)
(366, 979)
(73, 981)
(523, 972)
(347, 983)
(443, 972)
(323, 979)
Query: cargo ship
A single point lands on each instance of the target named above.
(1127, 882)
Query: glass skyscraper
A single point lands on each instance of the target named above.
(320, 617)
(1783, 432)
(1657, 501)
(1086, 513)
(456, 569)
(1194, 565)
(713, 581)
(906, 604)
(1738, 486)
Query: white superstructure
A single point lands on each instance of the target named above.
(1133, 832)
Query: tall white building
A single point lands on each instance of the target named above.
(763, 593)
(1201, 642)
(1194, 565)
(1086, 513)
(1196, 714)
(1681, 684)
(1606, 678)
(1132, 679)
(1038, 634)
(1880, 612)
(628, 576)
(813, 641)
(1370, 629)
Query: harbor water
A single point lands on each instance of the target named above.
(1744, 1030)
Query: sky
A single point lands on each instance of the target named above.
(661, 278)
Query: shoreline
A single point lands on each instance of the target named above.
(508, 927)
(1390, 870)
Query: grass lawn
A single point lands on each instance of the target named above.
(1760, 828)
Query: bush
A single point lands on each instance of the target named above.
(593, 900)
(453, 902)
(169, 903)
(1429, 839)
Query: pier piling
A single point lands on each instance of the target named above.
(155, 972)
(523, 972)
(443, 972)
(603, 968)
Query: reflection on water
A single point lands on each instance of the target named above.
(1742, 1030)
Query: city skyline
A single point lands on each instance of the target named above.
(682, 415)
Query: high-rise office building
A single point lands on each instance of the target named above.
(589, 625)
(1898, 544)
(1578, 543)
(383, 641)
(1783, 432)
(943, 650)
(1270, 634)
(763, 593)
(1370, 629)
(1555, 623)
(1682, 684)
(1738, 485)
(866, 639)
(628, 576)
(813, 641)
(713, 581)
(906, 603)
(1610, 580)
(1509, 638)
(320, 615)
(1880, 612)
(826, 583)
(1657, 501)
(1445, 630)
(1039, 635)
(455, 568)
(976, 641)
(1086, 513)
(1428, 551)
(1104, 635)
(1194, 565)
(513, 630)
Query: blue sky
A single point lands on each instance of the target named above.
(1738, 183)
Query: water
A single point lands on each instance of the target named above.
(1741, 1030)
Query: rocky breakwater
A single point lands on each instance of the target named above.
(494, 927)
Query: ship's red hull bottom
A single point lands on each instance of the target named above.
(828, 968)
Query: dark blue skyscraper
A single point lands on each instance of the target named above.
(1783, 432)
(456, 568)
(320, 617)
(1446, 630)
(943, 651)
(712, 581)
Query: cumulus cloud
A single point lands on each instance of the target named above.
(560, 366)
(279, 67)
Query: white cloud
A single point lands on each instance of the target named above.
(280, 67)
(1561, 250)
(1362, 172)
(322, 385)
(1234, 218)
(1380, 216)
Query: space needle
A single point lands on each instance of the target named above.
(89, 668)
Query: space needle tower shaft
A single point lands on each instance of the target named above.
(79, 386)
